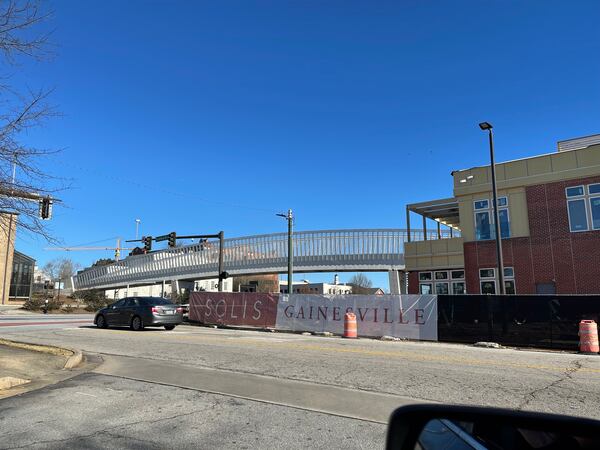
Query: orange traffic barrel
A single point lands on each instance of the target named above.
(350, 328)
(588, 337)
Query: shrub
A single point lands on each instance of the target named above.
(54, 303)
(36, 303)
(33, 303)
(94, 299)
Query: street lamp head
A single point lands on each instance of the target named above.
(282, 215)
(485, 126)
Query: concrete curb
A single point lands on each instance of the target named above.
(74, 357)
(74, 360)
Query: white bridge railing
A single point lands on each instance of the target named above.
(314, 251)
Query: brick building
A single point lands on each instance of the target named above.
(549, 208)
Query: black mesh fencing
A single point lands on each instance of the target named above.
(545, 321)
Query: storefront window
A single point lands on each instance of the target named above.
(488, 287)
(425, 288)
(458, 288)
(441, 288)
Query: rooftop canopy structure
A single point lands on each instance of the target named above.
(444, 212)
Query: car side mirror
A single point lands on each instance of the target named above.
(431, 426)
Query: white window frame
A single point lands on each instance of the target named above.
(446, 282)
(495, 280)
(488, 280)
(590, 197)
(431, 291)
(493, 277)
(431, 273)
(441, 279)
(457, 278)
(453, 282)
(489, 211)
(582, 197)
(514, 284)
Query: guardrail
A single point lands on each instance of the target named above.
(323, 250)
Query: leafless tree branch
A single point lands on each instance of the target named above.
(22, 35)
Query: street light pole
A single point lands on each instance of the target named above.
(487, 126)
(290, 275)
(221, 244)
(137, 227)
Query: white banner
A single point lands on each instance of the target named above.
(404, 316)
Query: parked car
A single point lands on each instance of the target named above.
(140, 312)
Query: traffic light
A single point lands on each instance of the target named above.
(46, 208)
(172, 239)
(147, 240)
(223, 276)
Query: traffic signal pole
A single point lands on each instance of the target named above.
(172, 237)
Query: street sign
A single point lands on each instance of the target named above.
(164, 237)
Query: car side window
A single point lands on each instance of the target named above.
(119, 304)
(128, 303)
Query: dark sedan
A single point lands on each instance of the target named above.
(140, 312)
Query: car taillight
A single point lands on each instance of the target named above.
(155, 309)
(179, 310)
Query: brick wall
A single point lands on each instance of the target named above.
(413, 282)
(551, 254)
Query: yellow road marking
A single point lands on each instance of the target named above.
(401, 354)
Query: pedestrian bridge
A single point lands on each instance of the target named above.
(365, 250)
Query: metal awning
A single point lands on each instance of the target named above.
(444, 211)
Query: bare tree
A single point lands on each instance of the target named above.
(22, 38)
(61, 269)
(360, 283)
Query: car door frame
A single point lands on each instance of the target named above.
(114, 312)
(128, 311)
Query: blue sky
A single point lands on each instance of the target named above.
(202, 116)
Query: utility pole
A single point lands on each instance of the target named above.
(290, 276)
(137, 227)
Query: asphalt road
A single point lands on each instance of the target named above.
(285, 390)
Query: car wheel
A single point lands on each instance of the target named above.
(137, 324)
(101, 322)
(169, 327)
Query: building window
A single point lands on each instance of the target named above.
(487, 280)
(484, 219)
(487, 273)
(441, 288)
(441, 275)
(488, 287)
(424, 276)
(458, 274)
(425, 288)
(583, 207)
(594, 192)
(482, 226)
(577, 215)
(458, 288)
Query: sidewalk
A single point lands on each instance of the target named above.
(14, 310)
(23, 369)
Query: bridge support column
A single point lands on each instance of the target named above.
(397, 282)
(162, 292)
(174, 290)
